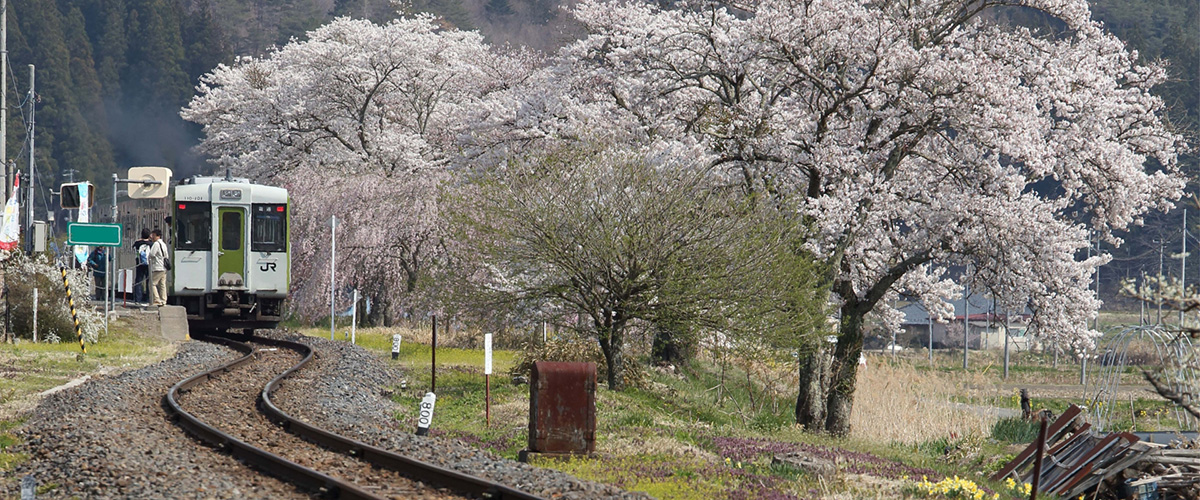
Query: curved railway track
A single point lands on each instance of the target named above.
(307, 456)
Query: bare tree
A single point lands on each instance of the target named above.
(623, 236)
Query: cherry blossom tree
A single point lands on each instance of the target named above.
(920, 138)
(359, 121)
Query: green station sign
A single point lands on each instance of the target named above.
(98, 235)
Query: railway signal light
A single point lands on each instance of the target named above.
(69, 196)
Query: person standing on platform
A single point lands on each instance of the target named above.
(97, 263)
(158, 270)
(141, 279)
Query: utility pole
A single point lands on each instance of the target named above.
(332, 270)
(1183, 268)
(8, 172)
(1084, 356)
(1142, 313)
(929, 319)
(29, 200)
(1158, 294)
(966, 317)
(1007, 334)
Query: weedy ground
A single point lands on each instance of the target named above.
(710, 429)
(27, 369)
(704, 430)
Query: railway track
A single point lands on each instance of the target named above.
(230, 408)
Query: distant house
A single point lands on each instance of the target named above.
(986, 326)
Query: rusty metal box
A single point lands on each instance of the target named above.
(562, 408)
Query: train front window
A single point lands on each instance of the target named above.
(231, 231)
(268, 232)
(193, 226)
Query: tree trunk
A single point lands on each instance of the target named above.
(814, 385)
(610, 345)
(845, 370)
(410, 279)
(671, 344)
(378, 306)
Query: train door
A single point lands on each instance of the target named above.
(231, 254)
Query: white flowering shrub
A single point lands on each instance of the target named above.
(22, 274)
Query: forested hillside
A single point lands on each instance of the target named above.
(113, 74)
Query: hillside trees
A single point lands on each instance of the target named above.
(359, 121)
(66, 82)
(917, 139)
(111, 76)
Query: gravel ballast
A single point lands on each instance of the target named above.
(340, 390)
(111, 438)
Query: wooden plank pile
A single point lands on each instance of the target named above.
(1078, 461)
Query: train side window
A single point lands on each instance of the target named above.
(193, 225)
(268, 232)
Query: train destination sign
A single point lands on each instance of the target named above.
(99, 235)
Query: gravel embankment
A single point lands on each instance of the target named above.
(341, 391)
(110, 438)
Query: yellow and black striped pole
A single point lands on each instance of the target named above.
(71, 303)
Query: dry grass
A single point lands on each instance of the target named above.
(896, 403)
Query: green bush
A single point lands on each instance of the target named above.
(22, 275)
(1015, 430)
(767, 421)
(635, 420)
(936, 448)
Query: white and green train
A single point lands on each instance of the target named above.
(229, 247)
(228, 241)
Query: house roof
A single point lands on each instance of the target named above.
(980, 310)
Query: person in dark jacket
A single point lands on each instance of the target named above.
(99, 265)
(141, 279)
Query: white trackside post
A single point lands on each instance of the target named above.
(35, 308)
(487, 379)
(354, 318)
(332, 265)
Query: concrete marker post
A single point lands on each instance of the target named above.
(28, 488)
(425, 415)
(35, 318)
(396, 346)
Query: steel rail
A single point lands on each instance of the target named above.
(415, 469)
(263, 460)
(407, 466)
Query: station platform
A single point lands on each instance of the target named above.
(169, 321)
